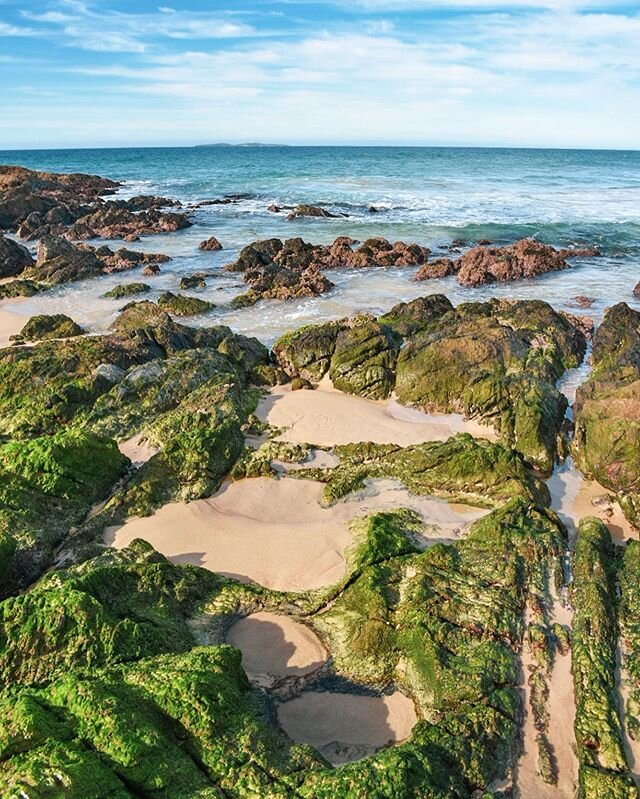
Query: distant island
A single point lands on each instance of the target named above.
(244, 144)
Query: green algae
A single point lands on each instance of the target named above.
(43, 327)
(127, 290)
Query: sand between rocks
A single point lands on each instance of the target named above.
(275, 533)
(11, 323)
(326, 417)
(137, 450)
(336, 723)
(276, 646)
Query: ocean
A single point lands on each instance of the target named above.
(428, 195)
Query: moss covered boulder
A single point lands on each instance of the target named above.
(364, 359)
(41, 328)
(127, 290)
(181, 305)
(307, 352)
(607, 412)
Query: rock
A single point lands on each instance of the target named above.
(580, 252)
(210, 245)
(140, 316)
(364, 360)
(309, 210)
(484, 242)
(111, 222)
(523, 259)
(60, 261)
(275, 209)
(14, 258)
(307, 353)
(20, 288)
(150, 270)
(42, 328)
(373, 210)
(280, 283)
(180, 305)
(55, 198)
(408, 318)
(127, 290)
(636, 291)
(193, 282)
(438, 268)
(298, 383)
(583, 302)
(109, 372)
(607, 410)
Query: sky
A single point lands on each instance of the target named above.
(556, 73)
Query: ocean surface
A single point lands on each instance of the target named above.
(428, 195)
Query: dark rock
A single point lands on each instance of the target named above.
(150, 270)
(636, 291)
(193, 282)
(210, 245)
(14, 258)
(299, 383)
(275, 209)
(580, 252)
(309, 210)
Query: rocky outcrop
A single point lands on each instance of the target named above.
(484, 264)
(37, 204)
(23, 192)
(210, 245)
(497, 361)
(43, 328)
(523, 259)
(14, 258)
(293, 268)
(636, 290)
(60, 261)
(607, 410)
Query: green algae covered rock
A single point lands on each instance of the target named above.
(607, 412)
(497, 361)
(363, 361)
(181, 305)
(127, 290)
(20, 288)
(408, 318)
(41, 328)
(49, 484)
(595, 630)
(462, 468)
(307, 352)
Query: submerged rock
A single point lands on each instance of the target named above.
(14, 258)
(127, 290)
(193, 282)
(309, 210)
(210, 244)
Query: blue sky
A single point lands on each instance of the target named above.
(469, 72)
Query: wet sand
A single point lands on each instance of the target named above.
(573, 497)
(342, 725)
(276, 646)
(327, 417)
(275, 533)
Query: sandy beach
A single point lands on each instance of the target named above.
(573, 497)
(334, 722)
(11, 322)
(276, 646)
(275, 533)
(327, 417)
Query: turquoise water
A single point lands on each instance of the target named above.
(429, 195)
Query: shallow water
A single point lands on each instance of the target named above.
(429, 195)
